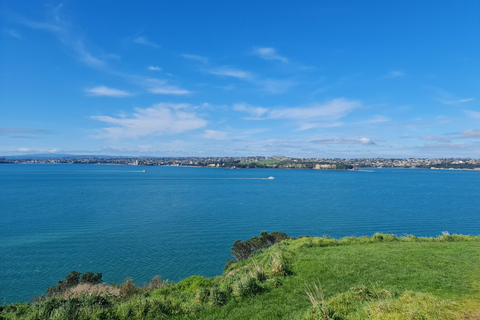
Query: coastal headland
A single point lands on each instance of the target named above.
(273, 276)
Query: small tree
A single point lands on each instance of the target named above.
(90, 277)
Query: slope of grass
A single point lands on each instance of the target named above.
(378, 277)
(446, 270)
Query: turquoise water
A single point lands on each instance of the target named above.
(179, 221)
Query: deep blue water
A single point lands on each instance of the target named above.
(179, 221)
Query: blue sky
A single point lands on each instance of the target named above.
(222, 78)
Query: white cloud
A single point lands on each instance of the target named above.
(471, 133)
(330, 111)
(275, 86)
(229, 72)
(361, 141)
(376, 120)
(311, 125)
(459, 101)
(32, 151)
(215, 135)
(144, 41)
(395, 74)
(203, 60)
(107, 92)
(307, 126)
(61, 28)
(160, 119)
(252, 110)
(435, 138)
(15, 131)
(154, 68)
(12, 33)
(269, 54)
(455, 145)
(472, 114)
(159, 86)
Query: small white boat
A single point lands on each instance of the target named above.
(270, 178)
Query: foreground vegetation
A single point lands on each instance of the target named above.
(378, 277)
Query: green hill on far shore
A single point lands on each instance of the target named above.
(378, 277)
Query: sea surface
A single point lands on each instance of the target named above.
(180, 221)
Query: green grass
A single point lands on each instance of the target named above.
(448, 270)
(378, 277)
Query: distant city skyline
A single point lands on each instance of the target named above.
(349, 79)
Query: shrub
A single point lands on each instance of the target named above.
(193, 283)
(90, 277)
(247, 287)
(128, 289)
(218, 297)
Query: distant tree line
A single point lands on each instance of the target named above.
(280, 165)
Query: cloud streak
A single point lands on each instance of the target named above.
(160, 86)
(361, 141)
(102, 91)
(230, 72)
(269, 54)
(330, 111)
(160, 119)
(215, 135)
(454, 102)
(252, 110)
(195, 57)
(435, 138)
(15, 131)
(474, 133)
(144, 41)
(62, 30)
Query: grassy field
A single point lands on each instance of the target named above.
(378, 277)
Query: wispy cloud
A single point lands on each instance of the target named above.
(395, 74)
(154, 68)
(230, 72)
(446, 97)
(274, 86)
(15, 131)
(472, 114)
(12, 33)
(330, 111)
(269, 54)
(215, 135)
(203, 60)
(62, 30)
(107, 92)
(459, 101)
(252, 110)
(160, 119)
(435, 138)
(471, 133)
(456, 145)
(362, 141)
(302, 126)
(378, 119)
(160, 86)
(144, 41)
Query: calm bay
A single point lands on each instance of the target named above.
(181, 221)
